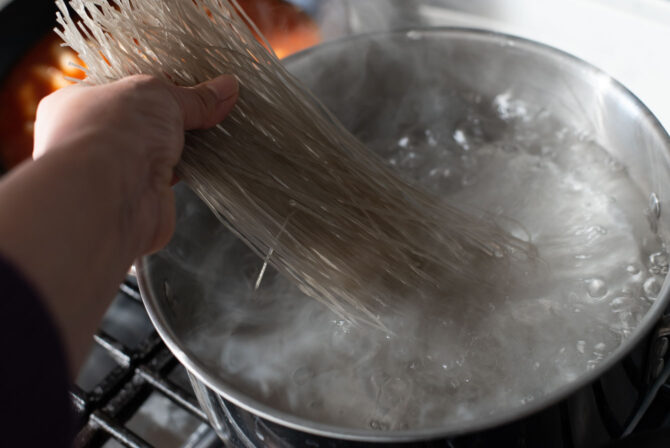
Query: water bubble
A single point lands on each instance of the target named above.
(508, 108)
(460, 138)
(596, 287)
(527, 399)
(617, 303)
(591, 232)
(600, 346)
(659, 258)
(626, 323)
(403, 142)
(659, 263)
(581, 345)
(652, 286)
(574, 185)
(632, 269)
(562, 133)
(439, 172)
(343, 324)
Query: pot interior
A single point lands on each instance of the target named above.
(545, 145)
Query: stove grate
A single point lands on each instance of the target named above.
(104, 411)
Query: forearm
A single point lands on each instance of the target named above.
(60, 225)
(99, 193)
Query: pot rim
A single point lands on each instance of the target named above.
(200, 371)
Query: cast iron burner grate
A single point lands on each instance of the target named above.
(139, 369)
(142, 369)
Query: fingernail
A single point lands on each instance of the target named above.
(224, 86)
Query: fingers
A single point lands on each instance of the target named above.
(208, 103)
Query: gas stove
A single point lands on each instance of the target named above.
(132, 392)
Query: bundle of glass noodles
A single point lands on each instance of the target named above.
(280, 171)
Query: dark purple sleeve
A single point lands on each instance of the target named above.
(34, 405)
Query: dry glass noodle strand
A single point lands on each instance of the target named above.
(280, 171)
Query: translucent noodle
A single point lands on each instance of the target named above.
(280, 171)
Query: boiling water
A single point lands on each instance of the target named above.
(541, 325)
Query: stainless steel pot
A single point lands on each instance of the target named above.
(358, 77)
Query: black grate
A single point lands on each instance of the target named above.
(142, 369)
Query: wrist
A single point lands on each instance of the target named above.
(60, 226)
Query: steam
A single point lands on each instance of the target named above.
(545, 326)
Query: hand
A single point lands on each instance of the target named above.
(138, 124)
(98, 194)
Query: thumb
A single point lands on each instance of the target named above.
(208, 103)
